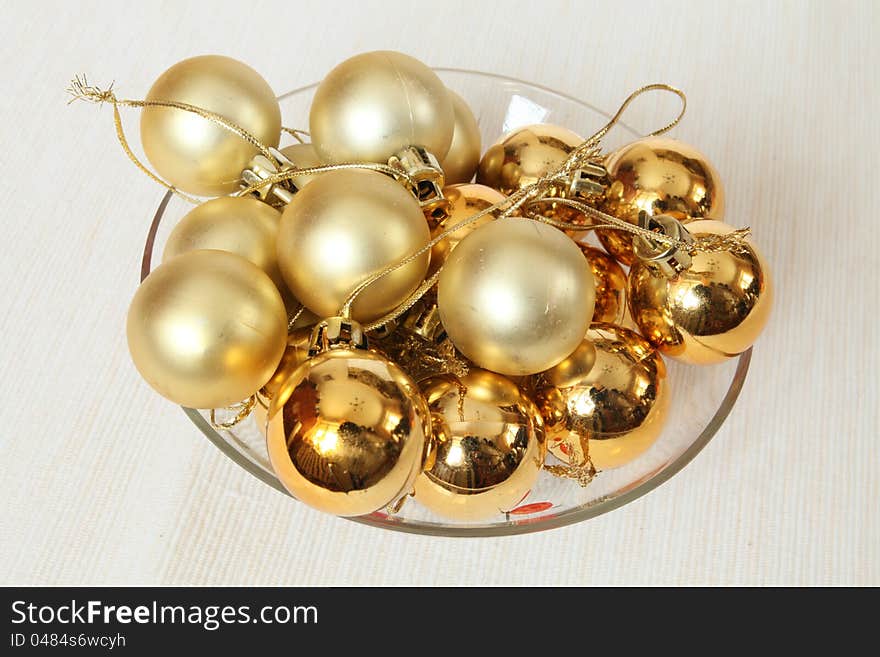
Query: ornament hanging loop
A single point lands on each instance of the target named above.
(670, 258)
(337, 333)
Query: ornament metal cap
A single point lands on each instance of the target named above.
(669, 259)
(424, 320)
(425, 171)
(260, 169)
(589, 182)
(337, 333)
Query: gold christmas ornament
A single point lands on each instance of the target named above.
(460, 163)
(206, 329)
(610, 305)
(375, 104)
(302, 156)
(241, 225)
(709, 307)
(295, 354)
(488, 444)
(346, 432)
(607, 401)
(658, 176)
(465, 200)
(192, 153)
(516, 296)
(343, 227)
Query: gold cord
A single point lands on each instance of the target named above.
(242, 409)
(293, 132)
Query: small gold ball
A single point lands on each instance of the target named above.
(488, 444)
(460, 163)
(195, 154)
(374, 104)
(714, 310)
(343, 227)
(241, 225)
(346, 432)
(303, 156)
(206, 329)
(465, 200)
(611, 285)
(609, 399)
(515, 296)
(660, 176)
(295, 354)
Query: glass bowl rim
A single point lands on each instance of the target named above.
(571, 516)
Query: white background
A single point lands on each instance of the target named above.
(105, 482)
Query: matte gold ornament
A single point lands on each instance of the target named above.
(465, 200)
(488, 444)
(712, 309)
(241, 225)
(206, 329)
(346, 432)
(608, 400)
(516, 296)
(658, 176)
(460, 163)
(611, 282)
(302, 156)
(377, 103)
(195, 154)
(342, 228)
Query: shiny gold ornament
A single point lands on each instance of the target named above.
(346, 433)
(516, 296)
(303, 156)
(460, 163)
(195, 154)
(488, 443)
(206, 329)
(611, 284)
(712, 310)
(465, 201)
(609, 399)
(374, 104)
(295, 354)
(342, 228)
(660, 176)
(241, 225)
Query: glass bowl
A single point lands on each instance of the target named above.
(702, 397)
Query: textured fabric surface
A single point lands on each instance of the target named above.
(103, 482)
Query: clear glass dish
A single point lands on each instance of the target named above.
(702, 397)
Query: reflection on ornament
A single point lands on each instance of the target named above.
(346, 432)
(488, 442)
(713, 310)
(658, 176)
(607, 402)
(610, 279)
(193, 153)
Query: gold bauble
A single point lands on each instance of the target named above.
(523, 156)
(195, 154)
(465, 200)
(206, 329)
(461, 161)
(610, 305)
(374, 104)
(712, 311)
(342, 228)
(303, 156)
(488, 444)
(609, 398)
(346, 433)
(295, 354)
(660, 176)
(241, 225)
(515, 296)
